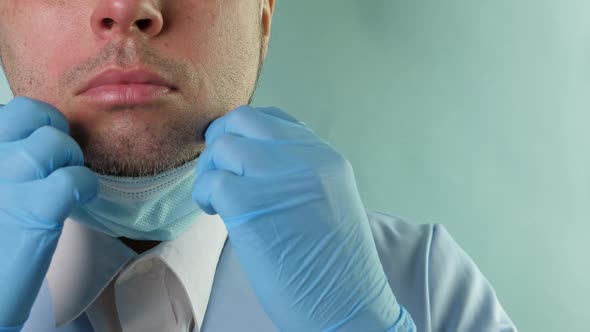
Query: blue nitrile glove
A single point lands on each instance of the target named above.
(40, 180)
(297, 223)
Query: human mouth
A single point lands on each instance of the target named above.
(130, 87)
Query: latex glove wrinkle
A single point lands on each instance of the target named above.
(297, 222)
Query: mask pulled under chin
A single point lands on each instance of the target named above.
(157, 208)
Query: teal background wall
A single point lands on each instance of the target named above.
(473, 114)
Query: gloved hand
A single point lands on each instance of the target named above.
(41, 178)
(297, 223)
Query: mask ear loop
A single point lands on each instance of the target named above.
(261, 8)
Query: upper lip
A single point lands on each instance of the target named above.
(119, 76)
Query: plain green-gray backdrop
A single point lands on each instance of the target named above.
(473, 114)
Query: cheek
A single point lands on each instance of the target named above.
(222, 33)
(212, 27)
(38, 48)
(191, 32)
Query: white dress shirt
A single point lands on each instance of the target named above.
(166, 288)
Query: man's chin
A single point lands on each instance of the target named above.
(136, 151)
(138, 166)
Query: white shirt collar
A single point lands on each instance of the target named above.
(85, 261)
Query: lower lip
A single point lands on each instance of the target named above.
(126, 94)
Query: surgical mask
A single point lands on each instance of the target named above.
(158, 208)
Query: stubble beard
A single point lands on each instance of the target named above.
(144, 154)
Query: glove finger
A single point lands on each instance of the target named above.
(279, 114)
(264, 124)
(256, 158)
(37, 156)
(22, 116)
(239, 199)
(208, 188)
(46, 203)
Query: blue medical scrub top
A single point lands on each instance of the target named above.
(431, 277)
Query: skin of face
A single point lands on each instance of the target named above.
(210, 50)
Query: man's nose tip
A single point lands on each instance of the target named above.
(123, 16)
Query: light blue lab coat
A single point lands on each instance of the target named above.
(431, 276)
